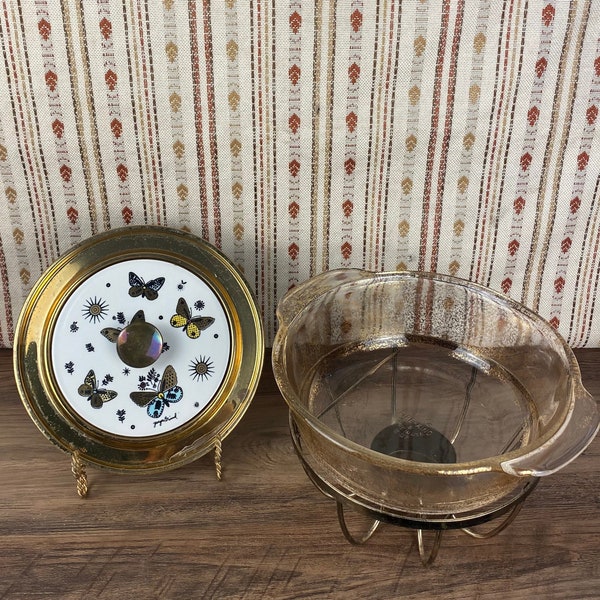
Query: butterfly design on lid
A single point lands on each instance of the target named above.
(89, 389)
(155, 401)
(145, 289)
(192, 326)
(112, 333)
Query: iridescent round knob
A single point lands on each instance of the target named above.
(139, 344)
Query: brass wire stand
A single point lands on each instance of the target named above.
(343, 497)
(436, 528)
(428, 556)
(344, 527)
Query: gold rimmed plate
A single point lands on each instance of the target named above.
(139, 350)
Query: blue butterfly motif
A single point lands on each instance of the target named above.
(155, 401)
(157, 404)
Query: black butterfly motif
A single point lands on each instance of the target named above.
(89, 389)
(112, 333)
(192, 326)
(155, 400)
(144, 289)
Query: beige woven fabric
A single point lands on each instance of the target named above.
(454, 136)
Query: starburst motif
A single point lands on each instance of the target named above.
(95, 309)
(201, 368)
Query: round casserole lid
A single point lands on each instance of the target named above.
(139, 349)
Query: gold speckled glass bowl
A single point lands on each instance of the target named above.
(426, 397)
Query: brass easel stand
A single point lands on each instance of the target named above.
(218, 458)
(79, 471)
(80, 474)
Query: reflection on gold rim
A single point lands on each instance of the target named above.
(33, 367)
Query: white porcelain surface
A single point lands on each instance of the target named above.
(89, 372)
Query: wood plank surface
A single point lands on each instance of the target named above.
(264, 531)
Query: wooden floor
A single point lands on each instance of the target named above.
(264, 531)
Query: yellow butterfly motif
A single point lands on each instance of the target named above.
(192, 326)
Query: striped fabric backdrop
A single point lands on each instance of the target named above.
(458, 136)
